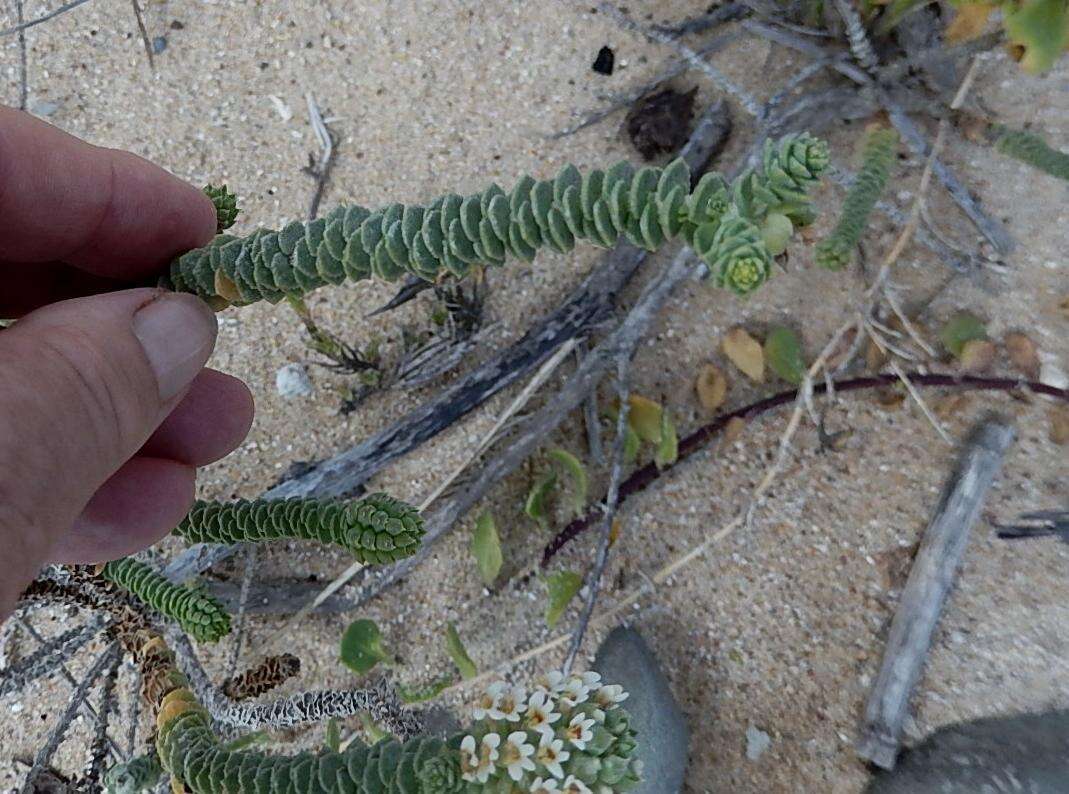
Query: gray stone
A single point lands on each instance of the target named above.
(440, 722)
(663, 738)
(43, 108)
(292, 381)
(757, 741)
(1021, 753)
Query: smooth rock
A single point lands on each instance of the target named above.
(43, 108)
(757, 741)
(1026, 752)
(663, 737)
(440, 722)
(292, 381)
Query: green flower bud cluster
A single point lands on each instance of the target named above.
(837, 250)
(139, 774)
(226, 206)
(375, 529)
(570, 735)
(1031, 149)
(200, 615)
(453, 233)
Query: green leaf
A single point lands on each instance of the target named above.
(894, 12)
(361, 646)
(632, 443)
(539, 496)
(374, 733)
(422, 695)
(783, 352)
(645, 418)
(776, 231)
(458, 653)
(562, 588)
(577, 473)
(333, 735)
(486, 548)
(961, 328)
(668, 449)
(247, 740)
(1040, 31)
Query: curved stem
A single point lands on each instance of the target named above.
(641, 478)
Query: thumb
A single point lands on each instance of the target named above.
(85, 383)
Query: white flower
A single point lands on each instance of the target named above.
(487, 755)
(608, 696)
(488, 700)
(579, 730)
(547, 786)
(550, 682)
(469, 759)
(477, 767)
(574, 785)
(515, 755)
(591, 679)
(574, 692)
(510, 704)
(551, 754)
(540, 713)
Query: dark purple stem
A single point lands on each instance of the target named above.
(641, 478)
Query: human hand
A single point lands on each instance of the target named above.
(105, 407)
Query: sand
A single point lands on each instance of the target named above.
(779, 627)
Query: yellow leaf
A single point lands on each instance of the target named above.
(733, 431)
(645, 418)
(1059, 424)
(712, 387)
(614, 532)
(745, 353)
(968, 23)
(1023, 353)
(977, 355)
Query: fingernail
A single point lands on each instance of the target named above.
(177, 333)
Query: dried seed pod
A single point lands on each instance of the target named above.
(272, 672)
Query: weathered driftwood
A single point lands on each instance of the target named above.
(925, 592)
(588, 305)
(276, 597)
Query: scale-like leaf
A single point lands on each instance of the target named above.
(961, 328)
(458, 653)
(783, 352)
(486, 548)
(1038, 31)
(644, 417)
(668, 449)
(577, 474)
(538, 497)
(333, 739)
(421, 695)
(361, 646)
(562, 587)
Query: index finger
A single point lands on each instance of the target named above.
(107, 212)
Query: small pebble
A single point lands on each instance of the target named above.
(757, 741)
(292, 381)
(43, 108)
(605, 61)
(159, 44)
